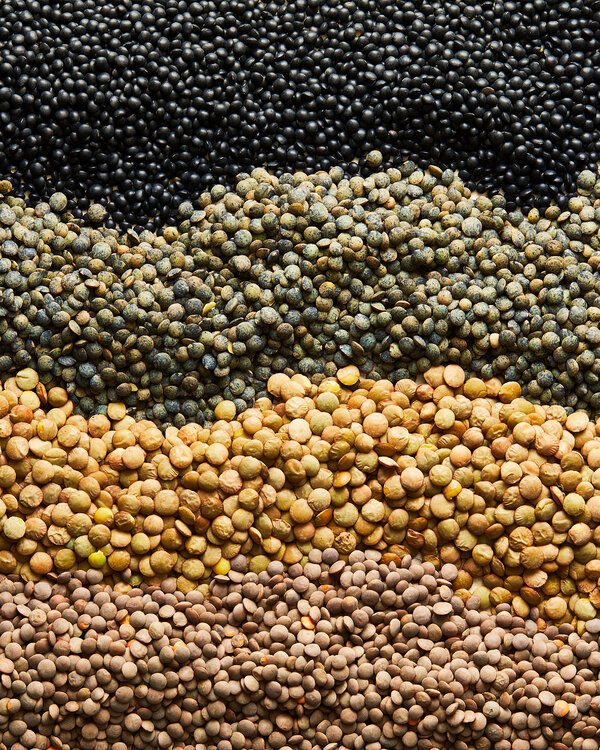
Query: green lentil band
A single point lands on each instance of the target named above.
(395, 272)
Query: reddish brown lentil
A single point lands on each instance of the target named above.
(357, 655)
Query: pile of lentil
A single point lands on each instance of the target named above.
(394, 273)
(352, 655)
(457, 470)
(302, 460)
(111, 101)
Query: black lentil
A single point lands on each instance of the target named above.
(138, 105)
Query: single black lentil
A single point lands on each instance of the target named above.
(394, 273)
(139, 104)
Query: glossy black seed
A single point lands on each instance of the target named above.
(110, 102)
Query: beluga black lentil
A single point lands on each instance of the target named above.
(305, 273)
(140, 105)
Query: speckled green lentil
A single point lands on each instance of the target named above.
(393, 273)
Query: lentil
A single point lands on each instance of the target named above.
(139, 119)
(481, 491)
(171, 325)
(357, 653)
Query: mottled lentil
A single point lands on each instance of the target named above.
(405, 271)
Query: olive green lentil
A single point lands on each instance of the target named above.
(389, 274)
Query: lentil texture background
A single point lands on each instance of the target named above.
(306, 459)
(142, 104)
(460, 471)
(395, 273)
(360, 655)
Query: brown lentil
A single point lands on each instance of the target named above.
(456, 469)
(362, 653)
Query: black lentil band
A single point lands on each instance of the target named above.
(111, 101)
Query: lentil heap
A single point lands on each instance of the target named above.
(357, 655)
(460, 471)
(394, 273)
(111, 101)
